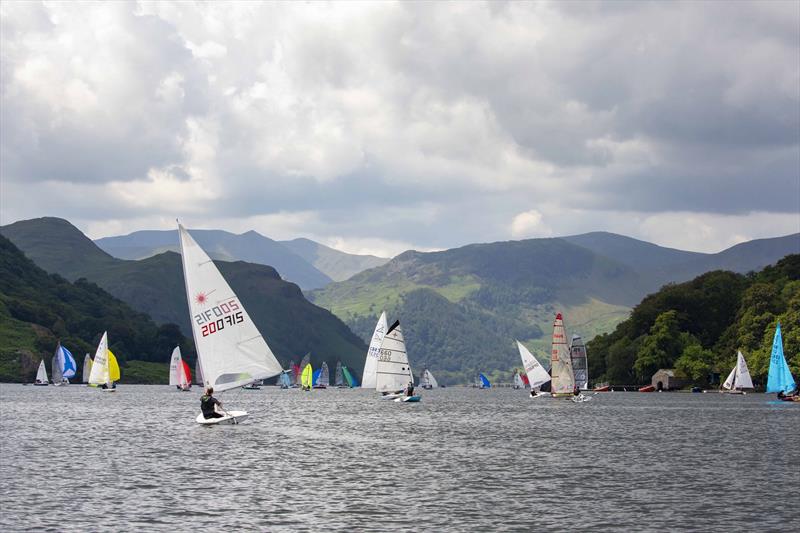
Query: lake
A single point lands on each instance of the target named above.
(77, 459)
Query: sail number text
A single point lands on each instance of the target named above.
(213, 327)
(384, 355)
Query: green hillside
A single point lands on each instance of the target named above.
(39, 309)
(292, 325)
(697, 327)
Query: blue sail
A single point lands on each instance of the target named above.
(780, 377)
(315, 376)
(69, 367)
(284, 380)
(484, 382)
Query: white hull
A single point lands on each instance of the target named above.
(233, 417)
(392, 396)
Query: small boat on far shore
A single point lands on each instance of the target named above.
(647, 388)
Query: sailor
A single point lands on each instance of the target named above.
(208, 404)
(410, 389)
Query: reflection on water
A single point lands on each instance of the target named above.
(73, 458)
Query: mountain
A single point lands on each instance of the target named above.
(251, 247)
(697, 327)
(289, 322)
(38, 309)
(339, 266)
(516, 287)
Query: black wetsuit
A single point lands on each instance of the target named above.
(410, 390)
(207, 404)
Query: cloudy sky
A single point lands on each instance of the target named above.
(377, 127)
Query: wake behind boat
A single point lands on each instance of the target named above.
(230, 350)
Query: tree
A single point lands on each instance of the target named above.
(660, 347)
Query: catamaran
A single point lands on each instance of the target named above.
(371, 363)
(427, 381)
(536, 374)
(41, 376)
(179, 374)
(739, 378)
(393, 373)
(105, 369)
(580, 368)
(780, 378)
(231, 351)
(87, 368)
(63, 366)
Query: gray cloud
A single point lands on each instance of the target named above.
(433, 124)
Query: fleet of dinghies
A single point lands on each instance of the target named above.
(231, 351)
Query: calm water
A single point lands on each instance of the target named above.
(78, 459)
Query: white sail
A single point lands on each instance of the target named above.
(87, 368)
(55, 367)
(371, 363)
(518, 383)
(743, 379)
(232, 352)
(198, 373)
(431, 380)
(731, 379)
(537, 375)
(41, 374)
(176, 368)
(100, 374)
(392, 373)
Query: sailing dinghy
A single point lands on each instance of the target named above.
(63, 366)
(179, 374)
(231, 351)
(306, 377)
(393, 373)
(105, 369)
(779, 378)
(41, 376)
(537, 375)
(371, 363)
(87, 369)
(739, 378)
(322, 378)
(427, 381)
(580, 368)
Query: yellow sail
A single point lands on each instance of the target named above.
(307, 376)
(113, 367)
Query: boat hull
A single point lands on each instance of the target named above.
(411, 399)
(603, 389)
(233, 417)
(648, 388)
(41, 384)
(392, 396)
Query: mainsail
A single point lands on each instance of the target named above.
(104, 367)
(339, 375)
(393, 372)
(283, 380)
(739, 378)
(41, 373)
(87, 368)
(63, 365)
(349, 377)
(560, 363)
(306, 378)
(371, 363)
(324, 376)
(231, 350)
(780, 377)
(580, 367)
(179, 374)
(536, 374)
(518, 383)
(427, 381)
(484, 381)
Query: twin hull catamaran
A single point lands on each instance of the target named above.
(230, 349)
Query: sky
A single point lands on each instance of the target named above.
(376, 127)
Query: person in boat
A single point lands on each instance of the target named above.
(781, 395)
(208, 404)
(105, 386)
(410, 389)
(534, 394)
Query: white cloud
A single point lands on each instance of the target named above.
(529, 224)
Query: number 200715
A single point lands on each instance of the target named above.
(213, 327)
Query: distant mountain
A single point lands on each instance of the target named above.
(38, 309)
(251, 247)
(339, 266)
(291, 324)
(517, 286)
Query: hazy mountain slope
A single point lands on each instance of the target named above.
(291, 324)
(339, 266)
(251, 247)
(39, 309)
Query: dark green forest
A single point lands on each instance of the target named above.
(38, 309)
(696, 328)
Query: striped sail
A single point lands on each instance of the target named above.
(580, 367)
